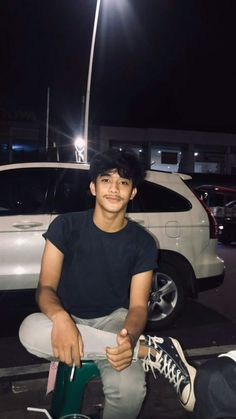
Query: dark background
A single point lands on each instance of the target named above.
(158, 63)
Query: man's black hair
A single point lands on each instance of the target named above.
(125, 162)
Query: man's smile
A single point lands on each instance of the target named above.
(113, 198)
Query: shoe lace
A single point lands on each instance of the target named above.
(164, 364)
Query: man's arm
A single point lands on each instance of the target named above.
(121, 356)
(136, 319)
(66, 340)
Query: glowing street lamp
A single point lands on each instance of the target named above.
(87, 99)
(79, 144)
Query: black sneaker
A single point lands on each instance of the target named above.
(166, 356)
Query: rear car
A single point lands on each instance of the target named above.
(222, 202)
(33, 194)
(227, 224)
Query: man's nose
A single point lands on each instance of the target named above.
(114, 186)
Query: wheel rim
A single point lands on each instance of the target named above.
(163, 297)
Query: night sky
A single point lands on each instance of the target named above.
(158, 63)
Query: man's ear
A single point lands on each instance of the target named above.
(92, 188)
(133, 193)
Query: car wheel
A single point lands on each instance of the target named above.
(166, 297)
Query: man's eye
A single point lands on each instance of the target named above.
(105, 180)
(124, 182)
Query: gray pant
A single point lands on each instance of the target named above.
(124, 391)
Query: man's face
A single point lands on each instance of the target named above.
(112, 191)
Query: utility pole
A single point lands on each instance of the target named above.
(47, 120)
(87, 98)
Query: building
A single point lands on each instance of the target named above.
(22, 138)
(175, 150)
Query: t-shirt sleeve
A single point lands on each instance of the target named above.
(147, 253)
(57, 233)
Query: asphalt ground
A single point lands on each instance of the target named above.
(25, 386)
(18, 394)
(23, 377)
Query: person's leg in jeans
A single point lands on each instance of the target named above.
(124, 391)
(215, 389)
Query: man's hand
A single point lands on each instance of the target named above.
(120, 357)
(66, 339)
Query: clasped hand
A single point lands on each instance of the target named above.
(120, 357)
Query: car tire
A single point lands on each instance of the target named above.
(166, 297)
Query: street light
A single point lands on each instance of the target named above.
(87, 99)
(79, 144)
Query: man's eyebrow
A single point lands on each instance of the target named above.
(110, 173)
(105, 174)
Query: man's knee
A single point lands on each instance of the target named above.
(126, 395)
(28, 329)
(133, 392)
(128, 387)
(35, 334)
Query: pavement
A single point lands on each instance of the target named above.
(25, 386)
(23, 377)
(30, 391)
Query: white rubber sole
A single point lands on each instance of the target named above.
(188, 397)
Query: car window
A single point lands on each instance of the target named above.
(156, 198)
(216, 197)
(231, 204)
(23, 191)
(216, 200)
(72, 191)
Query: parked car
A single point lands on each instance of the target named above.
(222, 202)
(33, 194)
(216, 197)
(227, 225)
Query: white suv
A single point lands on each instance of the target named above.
(32, 194)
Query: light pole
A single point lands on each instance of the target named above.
(47, 120)
(87, 99)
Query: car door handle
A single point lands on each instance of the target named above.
(25, 226)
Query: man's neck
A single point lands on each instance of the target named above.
(108, 221)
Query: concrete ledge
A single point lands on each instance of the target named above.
(24, 370)
(44, 367)
(208, 351)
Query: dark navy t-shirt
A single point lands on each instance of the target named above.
(98, 266)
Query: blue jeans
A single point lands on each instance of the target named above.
(215, 389)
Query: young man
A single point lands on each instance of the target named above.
(97, 271)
